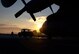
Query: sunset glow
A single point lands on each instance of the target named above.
(38, 23)
(30, 24)
(9, 23)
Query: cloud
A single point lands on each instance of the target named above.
(5, 28)
(10, 29)
(43, 18)
(6, 25)
(2, 24)
(38, 23)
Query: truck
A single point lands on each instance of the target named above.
(25, 33)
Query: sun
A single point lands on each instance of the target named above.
(38, 26)
(39, 22)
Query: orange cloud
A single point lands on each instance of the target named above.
(38, 23)
(4, 28)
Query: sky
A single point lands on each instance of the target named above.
(9, 23)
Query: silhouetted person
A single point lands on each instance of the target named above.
(19, 34)
(65, 21)
(12, 33)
